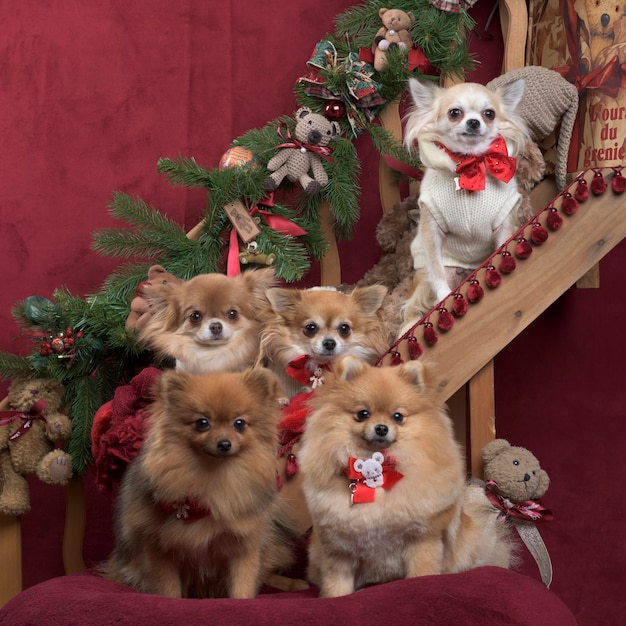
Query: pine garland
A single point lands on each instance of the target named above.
(83, 342)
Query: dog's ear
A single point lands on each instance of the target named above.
(511, 94)
(259, 280)
(172, 382)
(423, 93)
(163, 300)
(282, 300)
(415, 373)
(264, 382)
(349, 368)
(369, 299)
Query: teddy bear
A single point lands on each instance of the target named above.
(514, 482)
(515, 471)
(29, 432)
(139, 309)
(394, 33)
(301, 157)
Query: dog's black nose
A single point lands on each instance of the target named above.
(329, 344)
(381, 430)
(473, 124)
(605, 18)
(224, 445)
(216, 328)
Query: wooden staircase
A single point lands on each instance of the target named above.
(464, 354)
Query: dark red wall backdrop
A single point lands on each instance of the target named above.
(92, 94)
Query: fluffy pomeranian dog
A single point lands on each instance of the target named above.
(197, 515)
(469, 138)
(385, 483)
(209, 323)
(309, 329)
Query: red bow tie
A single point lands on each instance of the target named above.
(472, 170)
(359, 491)
(529, 510)
(298, 369)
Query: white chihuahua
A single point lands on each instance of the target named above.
(468, 138)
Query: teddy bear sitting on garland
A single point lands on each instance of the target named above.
(299, 158)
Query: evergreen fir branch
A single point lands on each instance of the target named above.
(84, 401)
(125, 244)
(13, 367)
(292, 258)
(121, 284)
(184, 172)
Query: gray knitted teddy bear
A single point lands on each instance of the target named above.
(300, 156)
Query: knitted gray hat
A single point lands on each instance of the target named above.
(548, 97)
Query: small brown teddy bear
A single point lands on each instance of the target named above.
(516, 471)
(300, 158)
(139, 309)
(393, 33)
(28, 434)
(514, 484)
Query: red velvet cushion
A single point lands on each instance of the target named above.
(485, 596)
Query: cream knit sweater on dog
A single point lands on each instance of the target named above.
(468, 219)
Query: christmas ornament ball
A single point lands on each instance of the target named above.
(238, 156)
(334, 110)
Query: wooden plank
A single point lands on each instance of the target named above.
(75, 523)
(493, 322)
(387, 179)
(330, 266)
(514, 23)
(482, 410)
(10, 557)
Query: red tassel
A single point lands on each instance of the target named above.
(523, 249)
(598, 184)
(396, 358)
(475, 292)
(554, 220)
(430, 335)
(618, 183)
(508, 263)
(291, 467)
(569, 206)
(459, 306)
(492, 277)
(582, 190)
(445, 321)
(538, 234)
(415, 348)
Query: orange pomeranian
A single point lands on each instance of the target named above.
(209, 323)
(384, 480)
(309, 329)
(197, 515)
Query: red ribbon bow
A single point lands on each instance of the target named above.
(529, 510)
(360, 492)
(472, 170)
(322, 151)
(35, 413)
(298, 370)
(276, 222)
